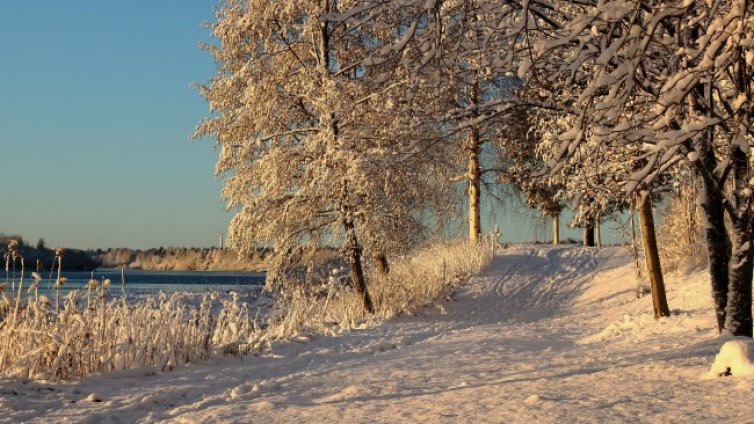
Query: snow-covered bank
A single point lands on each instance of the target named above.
(546, 335)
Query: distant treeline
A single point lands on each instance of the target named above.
(182, 258)
(162, 258)
(40, 257)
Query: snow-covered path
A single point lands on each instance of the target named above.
(548, 334)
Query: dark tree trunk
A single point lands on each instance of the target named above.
(598, 230)
(714, 233)
(357, 270)
(654, 269)
(738, 320)
(710, 195)
(589, 234)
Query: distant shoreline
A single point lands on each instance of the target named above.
(234, 271)
(182, 259)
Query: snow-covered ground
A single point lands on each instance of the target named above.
(547, 334)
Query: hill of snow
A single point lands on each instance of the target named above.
(547, 334)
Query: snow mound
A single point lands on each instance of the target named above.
(93, 398)
(642, 325)
(531, 400)
(736, 358)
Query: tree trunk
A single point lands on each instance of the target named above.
(589, 234)
(352, 242)
(598, 230)
(475, 228)
(555, 228)
(357, 271)
(738, 320)
(711, 197)
(654, 269)
(715, 235)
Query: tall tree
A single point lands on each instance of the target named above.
(305, 161)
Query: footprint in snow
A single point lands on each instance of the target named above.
(244, 390)
(263, 405)
(344, 394)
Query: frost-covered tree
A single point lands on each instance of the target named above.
(593, 178)
(306, 162)
(673, 80)
(453, 46)
(520, 165)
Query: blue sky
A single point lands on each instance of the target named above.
(95, 115)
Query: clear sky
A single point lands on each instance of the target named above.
(95, 116)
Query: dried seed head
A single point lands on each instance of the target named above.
(12, 245)
(106, 283)
(59, 251)
(71, 297)
(35, 275)
(61, 281)
(92, 283)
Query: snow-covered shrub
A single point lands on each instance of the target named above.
(427, 275)
(679, 235)
(414, 281)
